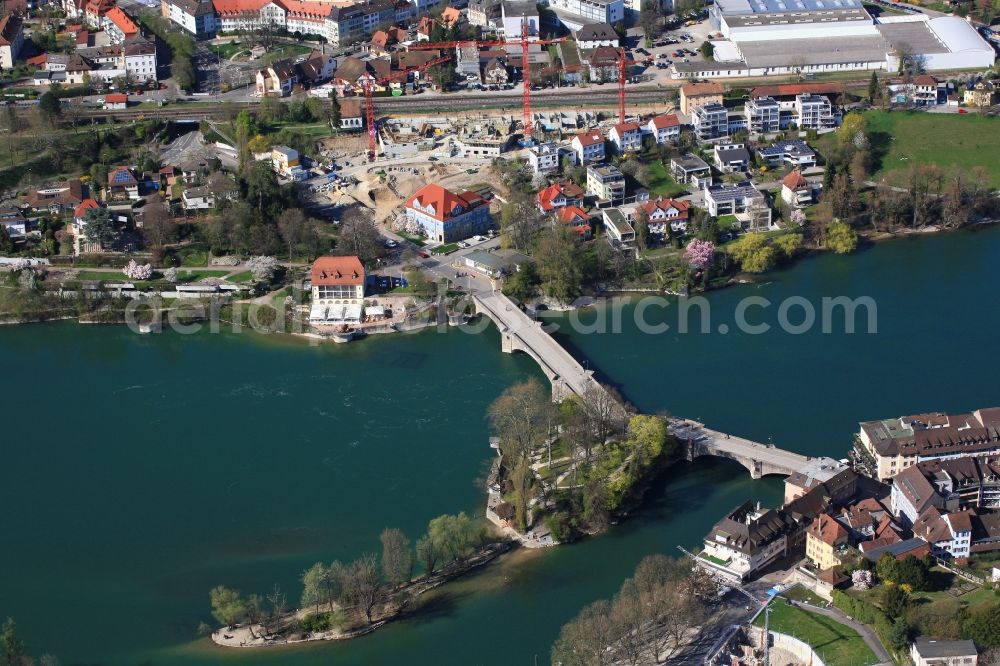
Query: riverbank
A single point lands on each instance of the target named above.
(287, 629)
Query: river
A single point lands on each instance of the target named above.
(140, 471)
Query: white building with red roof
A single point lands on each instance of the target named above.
(559, 195)
(664, 127)
(118, 25)
(627, 137)
(588, 146)
(663, 212)
(447, 217)
(338, 290)
(576, 219)
(796, 190)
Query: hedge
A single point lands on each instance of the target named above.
(866, 613)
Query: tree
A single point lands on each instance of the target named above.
(50, 107)
(6, 242)
(359, 236)
(397, 561)
(700, 254)
(642, 228)
(263, 268)
(788, 244)
(840, 238)
(12, 646)
(587, 639)
(523, 283)
(363, 584)
(887, 568)
(899, 635)
(851, 128)
(334, 113)
(895, 600)
(291, 226)
(753, 253)
(455, 536)
(314, 590)
(873, 87)
(520, 221)
(559, 266)
(648, 433)
(100, 227)
(707, 50)
(158, 227)
(228, 606)
(428, 554)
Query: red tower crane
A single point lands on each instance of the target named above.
(370, 105)
(623, 65)
(525, 63)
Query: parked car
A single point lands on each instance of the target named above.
(423, 255)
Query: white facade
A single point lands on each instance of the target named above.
(574, 14)
(590, 148)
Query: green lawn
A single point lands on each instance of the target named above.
(799, 593)
(194, 276)
(228, 50)
(901, 138)
(245, 276)
(193, 256)
(445, 249)
(660, 182)
(416, 240)
(836, 644)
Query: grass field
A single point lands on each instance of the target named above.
(660, 182)
(445, 249)
(902, 138)
(245, 276)
(836, 644)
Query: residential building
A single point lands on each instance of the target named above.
(690, 169)
(515, 15)
(937, 652)
(921, 90)
(338, 290)
(197, 198)
(483, 13)
(603, 64)
(626, 137)
(796, 190)
(731, 157)
(979, 93)
(949, 534)
(544, 157)
(794, 152)
(826, 541)
(13, 222)
(889, 446)
(694, 95)
(277, 79)
(11, 40)
(606, 183)
(316, 68)
(665, 216)
(950, 484)
(284, 159)
(594, 35)
(814, 112)
(763, 115)
(588, 146)
(559, 195)
(915, 547)
(495, 72)
(619, 230)
(744, 542)
(574, 14)
(710, 121)
(139, 59)
(664, 127)
(194, 16)
(743, 200)
(122, 183)
(58, 199)
(350, 114)
(119, 26)
(576, 219)
(447, 217)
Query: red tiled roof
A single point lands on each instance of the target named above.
(574, 215)
(547, 195)
(622, 128)
(122, 20)
(38, 59)
(666, 120)
(82, 37)
(795, 180)
(441, 203)
(698, 89)
(590, 138)
(665, 205)
(116, 98)
(782, 89)
(329, 271)
(84, 206)
(828, 530)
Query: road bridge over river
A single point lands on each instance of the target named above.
(519, 332)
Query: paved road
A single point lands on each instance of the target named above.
(732, 446)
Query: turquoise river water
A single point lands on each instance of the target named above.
(139, 471)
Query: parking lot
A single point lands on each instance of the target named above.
(679, 44)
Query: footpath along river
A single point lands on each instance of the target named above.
(139, 471)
